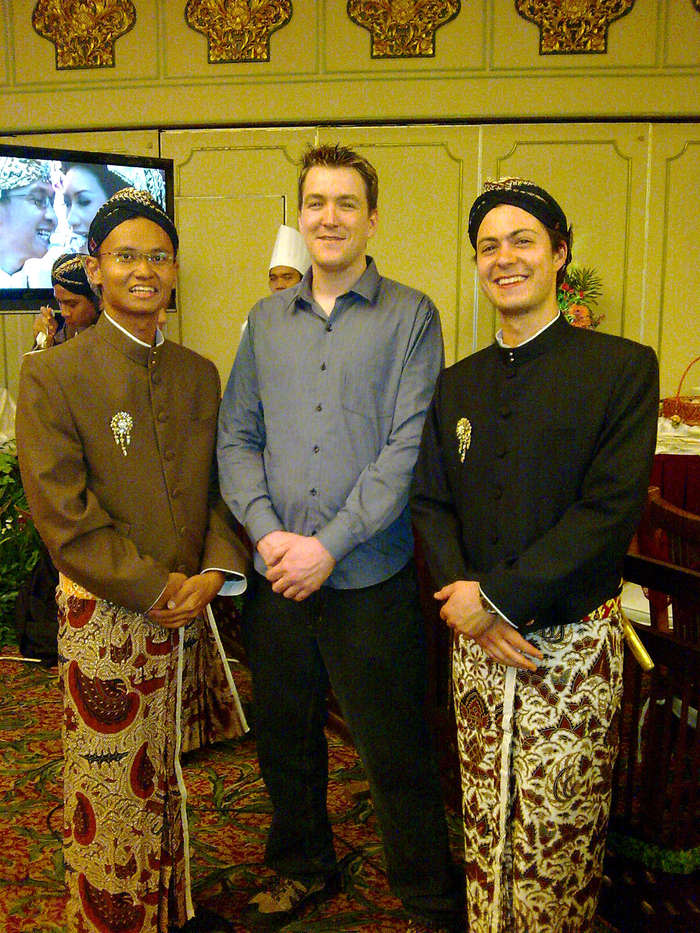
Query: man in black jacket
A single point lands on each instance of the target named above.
(532, 475)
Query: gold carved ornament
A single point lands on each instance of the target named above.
(573, 25)
(402, 28)
(238, 30)
(84, 32)
(696, 4)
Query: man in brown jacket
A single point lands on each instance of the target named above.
(116, 433)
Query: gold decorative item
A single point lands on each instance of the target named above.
(122, 424)
(634, 642)
(570, 26)
(402, 28)
(464, 437)
(84, 32)
(238, 30)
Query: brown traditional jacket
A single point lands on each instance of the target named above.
(116, 444)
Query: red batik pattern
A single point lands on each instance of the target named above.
(562, 751)
(123, 835)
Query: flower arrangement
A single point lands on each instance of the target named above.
(19, 540)
(577, 296)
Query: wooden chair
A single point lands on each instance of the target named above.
(656, 791)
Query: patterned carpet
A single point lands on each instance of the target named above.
(228, 809)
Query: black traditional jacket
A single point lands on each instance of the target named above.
(533, 470)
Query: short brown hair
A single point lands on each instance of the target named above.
(338, 156)
(556, 238)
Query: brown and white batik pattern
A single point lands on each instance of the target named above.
(537, 752)
(125, 832)
(211, 708)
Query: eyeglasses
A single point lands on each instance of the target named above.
(40, 201)
(129, 257)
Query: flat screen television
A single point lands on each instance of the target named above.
(48, 198)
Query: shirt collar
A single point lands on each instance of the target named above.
(120, 338)
(545, 338)
(367, 286)
(159, 336)
(499, 335)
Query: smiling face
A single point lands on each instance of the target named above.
(83, 196)
(133, 293)
(516, 264)
(335, 219)
(27, 220)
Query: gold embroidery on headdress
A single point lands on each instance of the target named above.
(61, 273)
(464, 437)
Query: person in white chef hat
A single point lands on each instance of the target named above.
(289, 261)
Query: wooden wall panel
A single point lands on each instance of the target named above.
(232, 190)
(682, 36)
(459, 45)
(136, 55)
(425, 176)
(628, 189)
(674, 251)
(632, 44)
(486, 66)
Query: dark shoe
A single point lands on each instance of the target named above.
(285, 898)
(426, 926)
(206, 921)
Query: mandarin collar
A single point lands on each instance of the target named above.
(122, 342)
(367, 286)
(545, 341)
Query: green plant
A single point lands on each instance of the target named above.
(19, 540)
(578, 295)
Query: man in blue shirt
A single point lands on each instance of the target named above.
(318, 436)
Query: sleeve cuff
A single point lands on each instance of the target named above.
(495, 608)
(234, 585)
(156, 599)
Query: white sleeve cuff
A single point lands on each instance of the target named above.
(495, 608)
(234, 585)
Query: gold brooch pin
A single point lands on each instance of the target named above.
(464, 437)
(121, 425)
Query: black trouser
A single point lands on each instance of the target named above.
(371, 642)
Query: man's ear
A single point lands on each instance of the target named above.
(560, 254)
(92, 270)
(373, 222)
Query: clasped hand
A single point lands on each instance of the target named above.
(462, 610)
(184, 598)
(297, 565)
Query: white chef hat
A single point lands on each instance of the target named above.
(290, 250)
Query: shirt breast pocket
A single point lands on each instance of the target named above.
(366, 392)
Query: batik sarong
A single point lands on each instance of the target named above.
(125, 827)
(537, 752)
(211, 708)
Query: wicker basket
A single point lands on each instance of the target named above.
(683, 408)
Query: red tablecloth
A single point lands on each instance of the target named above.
(678, 478)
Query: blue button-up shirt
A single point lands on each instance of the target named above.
(321, 421)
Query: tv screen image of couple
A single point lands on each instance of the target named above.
(48, 199)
